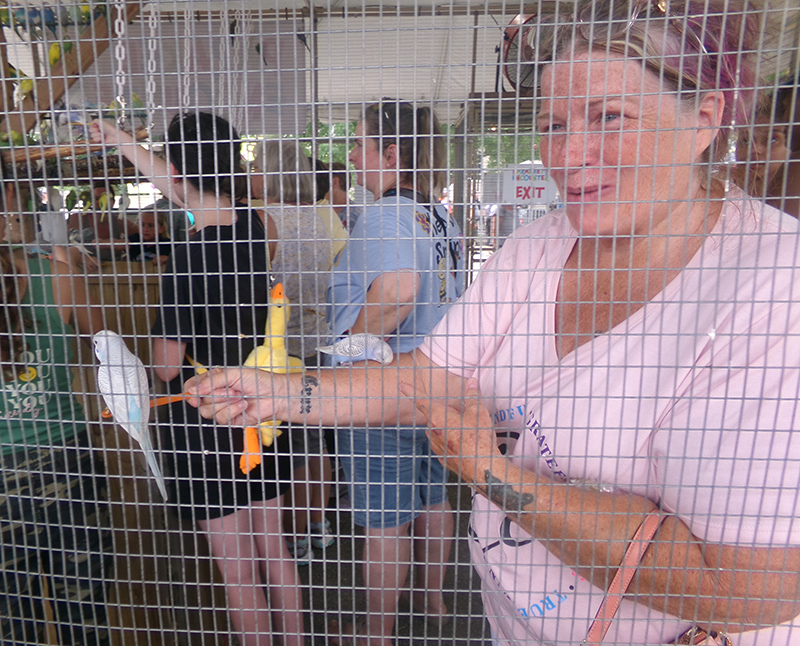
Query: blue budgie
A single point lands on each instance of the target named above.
(359, 347)
(122, 380)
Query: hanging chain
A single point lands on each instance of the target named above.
(187, 56)
(225, 86)
(152, 45)
(119, 55)
(236, 90)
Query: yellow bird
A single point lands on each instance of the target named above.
(271, 356)
(54, 54)
(25, 87)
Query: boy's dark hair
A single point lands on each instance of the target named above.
(322, 176)
(339, 171)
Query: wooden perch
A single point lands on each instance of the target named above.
(21, 154)
(93, 41)
(32, 153)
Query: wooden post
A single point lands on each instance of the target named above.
(92, 42)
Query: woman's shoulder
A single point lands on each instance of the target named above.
(390, 205)
(753, 244)
(551, 229)
(540, 245)
(747, 214)
(752, 226)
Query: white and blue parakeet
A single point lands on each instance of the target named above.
(359, 347)
(122, 380)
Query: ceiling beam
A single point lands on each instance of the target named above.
(93, 41)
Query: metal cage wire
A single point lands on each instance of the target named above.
(675, 388)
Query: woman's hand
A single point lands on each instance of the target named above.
(235, 396)
(105, 132)
(151, 166)
(460, 429)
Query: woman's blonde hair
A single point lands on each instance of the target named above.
(289, 177)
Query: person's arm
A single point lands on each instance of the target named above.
(724, 587)
(362, 393)
(72, 300)
(153, 167)
(272, 231)
(75, 258)
(168, 358)
(390, 299)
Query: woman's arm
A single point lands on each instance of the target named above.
(390, 299)
(725, 587)
(71, 295)
(168, 358)
(153, 167)
(78, 261)
(362, 393)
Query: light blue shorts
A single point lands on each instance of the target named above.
(392, 473)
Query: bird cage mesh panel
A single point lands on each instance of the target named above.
(486, 306)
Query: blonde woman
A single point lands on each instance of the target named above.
(303, 257)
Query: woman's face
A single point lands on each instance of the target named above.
(618, 147)
(370, 163)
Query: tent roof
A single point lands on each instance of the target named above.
(443, 55)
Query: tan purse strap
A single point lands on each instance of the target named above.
(622, 579)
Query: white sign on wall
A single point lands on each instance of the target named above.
(528, 184)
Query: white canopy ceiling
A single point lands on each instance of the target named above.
(271, 66)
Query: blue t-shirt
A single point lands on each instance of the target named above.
(399, 233)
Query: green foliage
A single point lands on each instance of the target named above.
(333, 141)
(499, 150)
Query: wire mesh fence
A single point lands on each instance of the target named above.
(350, 323)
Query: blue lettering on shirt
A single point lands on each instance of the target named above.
(549, 603)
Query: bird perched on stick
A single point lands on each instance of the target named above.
(359, 347)
(271, 356)
(122, 380)
(55, 52)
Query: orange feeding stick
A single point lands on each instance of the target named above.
(158, 401)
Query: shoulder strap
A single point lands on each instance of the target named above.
(419, 198)
(622, 579)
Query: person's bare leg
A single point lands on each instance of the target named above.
(434, 530)
(279, 571)
(320, 477)
(295, 516)
(387, 556)
(235, 554)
